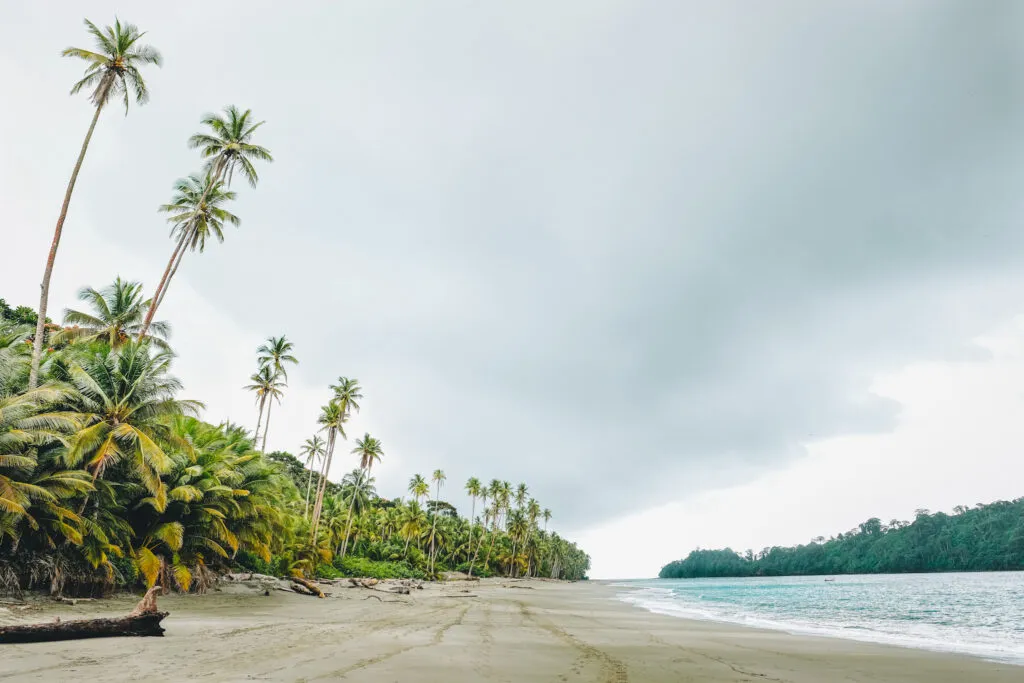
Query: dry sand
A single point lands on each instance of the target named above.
(512, 631)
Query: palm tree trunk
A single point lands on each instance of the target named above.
(348, 527)
(309, 485)
(165, 282)
(44, 287)
(473, 561)
(259, 421)
(168, 273)
(159, 298)
(322, 486)
(266, 427)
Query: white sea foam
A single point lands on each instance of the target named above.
(981, 615)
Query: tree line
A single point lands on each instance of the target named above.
(108, 477)
(981, 538)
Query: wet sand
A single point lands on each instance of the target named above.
(511, 631)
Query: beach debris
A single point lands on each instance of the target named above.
(310, 587)
(144, 620)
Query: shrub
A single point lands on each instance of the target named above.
(363, 567)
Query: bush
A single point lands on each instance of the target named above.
(363, 567)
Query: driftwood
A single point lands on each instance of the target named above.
(144, 620)
(459, 596)
(311, 587)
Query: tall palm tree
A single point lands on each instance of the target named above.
(347, 394)
(521, 493)
(117, 315)
(227, 147)
(312, 448)
(274, 354)
(438, 478)
(267, 385)
(196, 214)
(368, 449)
(332, 420)
(418, 487)
(546, 514)
(473, 487)
(113, 69)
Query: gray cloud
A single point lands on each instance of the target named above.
(625, 251)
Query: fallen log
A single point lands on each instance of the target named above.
(144, 620)
(309, 586)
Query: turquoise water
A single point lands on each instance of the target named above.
(980, 614)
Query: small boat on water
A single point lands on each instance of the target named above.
(830, 580)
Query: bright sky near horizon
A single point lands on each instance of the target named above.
(700, 273)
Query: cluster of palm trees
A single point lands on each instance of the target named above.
(108, 477)
(197, 209)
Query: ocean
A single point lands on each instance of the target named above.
(979, 614)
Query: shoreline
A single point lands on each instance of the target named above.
(462, 632)
(865, 636)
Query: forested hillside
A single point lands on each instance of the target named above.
(982, 538)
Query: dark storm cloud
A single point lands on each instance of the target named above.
(623, 250)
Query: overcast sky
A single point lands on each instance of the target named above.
(698, 272)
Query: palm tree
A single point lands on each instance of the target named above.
(274, 354)
(546, 514)
(112, 69)
(438, 478)
(196, 215)
(346, 393)
(266, 385)
(332, 418)
(24, 425)
(227, 147)
(368, 449)
(418, 487)
(312, 448)
(125, 397)
(117, 315)
(473, 491)
(521, 493)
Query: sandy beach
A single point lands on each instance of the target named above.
(459, 632)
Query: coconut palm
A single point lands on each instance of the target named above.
(313, 449)
(347, 394)
(227, 147)
(332, 420)
(117, 314)
(124, 399)
(438, 478)
(113, 69)
(368, 449)
(358, 486)
(267, 385)
(418, 487)
(196, 214)
(275, 353)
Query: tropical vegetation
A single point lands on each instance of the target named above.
(109, 476)
(980, 538)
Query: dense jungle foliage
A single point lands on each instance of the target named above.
(109, 478)
(983, 538)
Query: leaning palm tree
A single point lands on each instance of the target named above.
(274, 354)
(113, 69)
(368, 449)
(117, 313)
(226, 148)
(267, 385)
(196, 214)
(313, 449)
